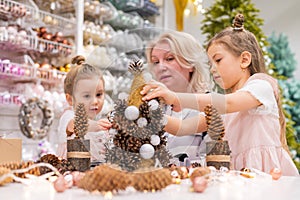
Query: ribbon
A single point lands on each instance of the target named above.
(78, 154)
(218, 158)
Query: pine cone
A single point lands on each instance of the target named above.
(144, 111)
(4, 171)
(62, 165)
(80, 121)
(215, 126)
(152, 179)
(22, 165)
(105, 178)
(126, 160)
(199, 171)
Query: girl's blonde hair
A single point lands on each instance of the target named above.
(189, 54)
(80, 71)
(236, 40)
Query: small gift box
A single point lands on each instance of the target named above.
(10, 150)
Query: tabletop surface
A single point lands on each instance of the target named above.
(226, 188)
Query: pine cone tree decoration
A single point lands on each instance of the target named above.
(136, 127)
(80, 121)
(22, 165)
(135, 98)
(215, 126)
(105, 178)
(4, 171)
(151, 179)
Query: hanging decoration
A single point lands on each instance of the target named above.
(179, 8)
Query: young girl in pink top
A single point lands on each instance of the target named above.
(254, 121)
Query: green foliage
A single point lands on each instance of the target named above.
(220, 15)
(281, 55)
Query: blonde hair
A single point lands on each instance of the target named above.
(189, 54)
(80, 71)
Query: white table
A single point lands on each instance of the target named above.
(240, 188)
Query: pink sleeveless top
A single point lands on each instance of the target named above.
(254, 135)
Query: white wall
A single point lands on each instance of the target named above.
(279, 16)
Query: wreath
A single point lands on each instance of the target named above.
(26, 117)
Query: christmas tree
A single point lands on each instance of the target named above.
(220, 15)
(139, 140)
(284, 64)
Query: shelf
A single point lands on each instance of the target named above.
(19, 73)
(10, 9)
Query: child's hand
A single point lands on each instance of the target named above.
(100, 125)
(155, 89)
(104, 124)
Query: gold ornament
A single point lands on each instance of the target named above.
(135, 97)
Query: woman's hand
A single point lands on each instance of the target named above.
(154, 89)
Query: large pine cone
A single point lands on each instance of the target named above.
(105, 178)
(152, 180)
(215, 126)
(62, 165)
(4, 171)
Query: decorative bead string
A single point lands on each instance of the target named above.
(30, 178)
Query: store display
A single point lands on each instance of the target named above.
(217, 150)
